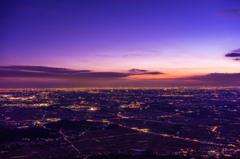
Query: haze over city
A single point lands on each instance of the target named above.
(120, 43)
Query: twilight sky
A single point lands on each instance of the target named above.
(119, 43)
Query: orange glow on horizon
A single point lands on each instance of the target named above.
(165, 77)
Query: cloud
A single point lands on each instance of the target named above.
(234, 53)
(132, 55)
(63, 73)
(154, 73)
(234, 11)
(142, 72)
(217, 77)
(43, 69)
(41, 76)
(105, 74)
(137, 71)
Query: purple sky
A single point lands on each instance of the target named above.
(78, 43)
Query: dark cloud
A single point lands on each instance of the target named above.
(218, 77)
(154, 73)
(142, 72)
(43, 69)
(43, 77)
(233, 11)
(137, 71)
(233, 55)
(63, 73)
(105, 74)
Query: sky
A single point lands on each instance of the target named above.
(119, 43)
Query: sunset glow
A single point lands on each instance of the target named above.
(119, 43)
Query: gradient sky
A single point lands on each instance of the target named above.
(92, 43)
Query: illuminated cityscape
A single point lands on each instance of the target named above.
(151, 122)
